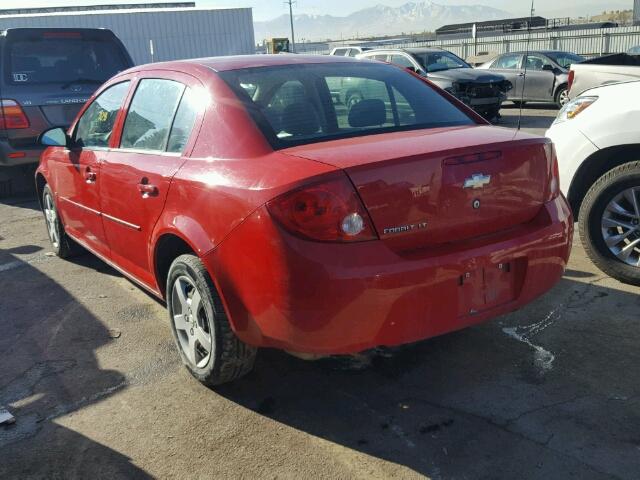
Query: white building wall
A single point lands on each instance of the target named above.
(176, 33)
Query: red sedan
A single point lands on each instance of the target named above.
(269, 212)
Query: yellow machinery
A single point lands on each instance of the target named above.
(278, 45)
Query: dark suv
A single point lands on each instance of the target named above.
(46, 75)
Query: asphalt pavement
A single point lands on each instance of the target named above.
(89, 371)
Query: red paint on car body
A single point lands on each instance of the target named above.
(432, 262)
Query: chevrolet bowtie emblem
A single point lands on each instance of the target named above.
(477, 180)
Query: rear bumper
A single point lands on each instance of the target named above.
(10, 156)
(288, 293)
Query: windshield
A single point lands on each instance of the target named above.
(297, 104)
(565, 59)
(437, 61)
(39, 59)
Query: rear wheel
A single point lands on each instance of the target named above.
(62, 245)
(610, 223)
(208, 347)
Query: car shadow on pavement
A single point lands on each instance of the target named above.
(48, 371)
(537, 394)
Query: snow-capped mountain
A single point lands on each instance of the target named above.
(411, 17)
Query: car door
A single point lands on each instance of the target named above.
(509, 66)
(77, 172)
(539, 83)
(136, 176)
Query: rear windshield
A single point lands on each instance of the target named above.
(61, 58)
(297, 104)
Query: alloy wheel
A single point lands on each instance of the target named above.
(190, 318)
(621, 226)
(563, 97)
(51, 217)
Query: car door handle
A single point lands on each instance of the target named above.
(147, 190)
(521, 74)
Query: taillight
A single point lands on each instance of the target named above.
(330, 211)
(572, 75)
(553, 188)
(12, 116)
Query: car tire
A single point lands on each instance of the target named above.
(61, 244)
(598, 223)
(207, 345)
(562, 97)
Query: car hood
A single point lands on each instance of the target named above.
(466, 75)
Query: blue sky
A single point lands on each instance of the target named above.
(267, 9)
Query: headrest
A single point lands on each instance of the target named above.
(368, 113)
(300, 118)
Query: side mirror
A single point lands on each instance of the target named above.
(55, 137)
(412, 69)
(548, 68)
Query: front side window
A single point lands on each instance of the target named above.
(536, 62)
(150, 115)
(340, 52)
(297, 104)
(508, 62)
(401, 61)
(96, 124)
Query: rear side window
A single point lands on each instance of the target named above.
(341, 52)
(297, 104)
(184, 121)
(150, 115)
(96, 124)
(508, 62)
(61, 57)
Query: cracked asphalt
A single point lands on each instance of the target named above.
(89, 370)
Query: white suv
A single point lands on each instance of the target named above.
(597, 138)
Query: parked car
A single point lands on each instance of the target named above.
(604, 70)
(482, 91)
(349, 51)
(596, 136)
(267, 215)
(46, 75)
(547, 75)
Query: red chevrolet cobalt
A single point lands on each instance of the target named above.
(320, 205)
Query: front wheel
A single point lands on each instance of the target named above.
(562, 97)
(208, 347)
(610, 223)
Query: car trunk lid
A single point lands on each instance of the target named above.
(430, 187)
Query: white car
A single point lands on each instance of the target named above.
(597, 139)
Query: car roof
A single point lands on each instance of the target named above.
(537, 51)
(406, 50)
(238, 62)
